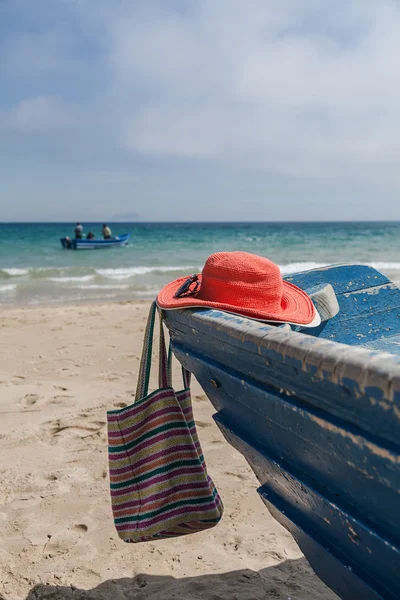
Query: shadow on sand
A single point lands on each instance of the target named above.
(292, 579)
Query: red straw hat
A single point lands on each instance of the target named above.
(243, 284)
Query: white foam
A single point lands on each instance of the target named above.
(9, 288)
(69, 279)
(128, 272)
(300, 266)
(254, 238)
(386, 266)
(15, 272)
(146, 293)
(102, 287)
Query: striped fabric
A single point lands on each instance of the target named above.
(158, 477)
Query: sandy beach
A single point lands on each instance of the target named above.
(61, 368)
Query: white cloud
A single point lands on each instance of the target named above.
(299, 87)
(40, 114)
(296, 86)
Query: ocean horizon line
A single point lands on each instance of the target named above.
(186, 222)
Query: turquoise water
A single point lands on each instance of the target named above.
(34, 269)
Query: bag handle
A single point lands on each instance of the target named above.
(145, 361)
(186, 375)
(164, 365)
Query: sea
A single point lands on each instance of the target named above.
(35, 269)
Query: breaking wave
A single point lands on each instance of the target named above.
(300, 266)
(70, 279)
(35, 285)
(128, 272)
(5, 289)
(5, 273)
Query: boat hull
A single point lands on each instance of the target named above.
(95, 244)
(317, 420)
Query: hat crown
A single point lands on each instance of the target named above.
(240, 278)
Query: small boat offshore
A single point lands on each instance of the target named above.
(94, 244)
(316, 413)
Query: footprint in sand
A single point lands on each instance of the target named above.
(62, 479)
(30, 399)
(74, 427)
(85, 412)
(62, 400)
(37, 402)
(234, 542)
(237, 475)
(63, 541)
(202, 424)
(201, 398)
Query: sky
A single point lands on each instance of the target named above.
(199, 110)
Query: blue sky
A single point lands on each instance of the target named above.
(199, 110)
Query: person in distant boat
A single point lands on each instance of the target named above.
(78, 231)
(90, 235)
(106, 232)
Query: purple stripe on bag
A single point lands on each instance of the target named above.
(167, 477)
(131, 411)
(168, 454)
(150, 416)
(159, 479)
(169, 515)
(145, 444)
(148, 459)
(118, 457)
(146, 421)
(154, 497)
(165, 493)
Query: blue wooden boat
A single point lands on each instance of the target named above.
(316, 413)
(94, 244)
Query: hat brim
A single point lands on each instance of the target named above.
(296, 307)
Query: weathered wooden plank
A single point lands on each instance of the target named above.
(364, 316)
(388, 344)
(351, 383)
(359, 331)
(343, 278)
(332, 454)
(362, 296)
(347, 538)
(368, 301)
(339, 577)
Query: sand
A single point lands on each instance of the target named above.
(61, 368)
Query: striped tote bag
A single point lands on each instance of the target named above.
(158, 478)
